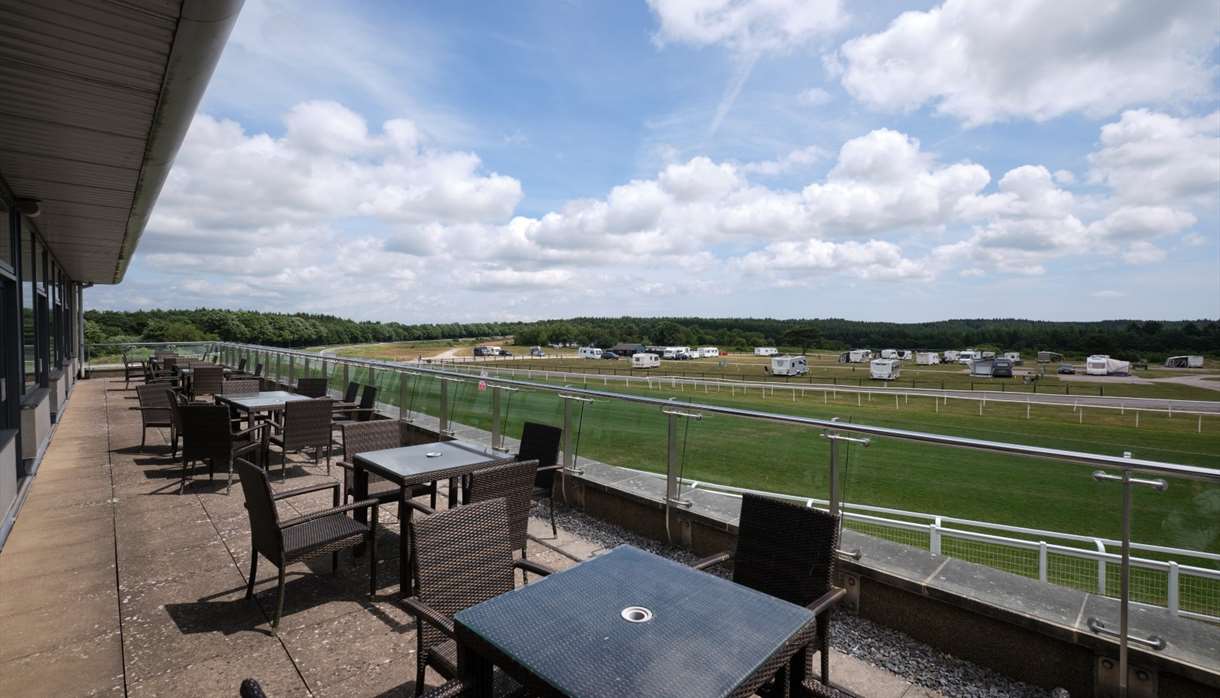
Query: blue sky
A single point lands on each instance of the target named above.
(792, 158)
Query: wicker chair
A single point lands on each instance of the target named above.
(513, 482)
(152, 374)
(207, 434)
(359, 437)
(540, 442)
(349, 396)
(364, 411)
(307, 424)
(154, 408)
(207, 380)
(788, 551)
(463, 557)
(258, 370)
(241, 366)
(177, 401)
(304, 537)
(312, 387)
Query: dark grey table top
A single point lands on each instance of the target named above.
(263, 401)
(413, 465)
(707, 635)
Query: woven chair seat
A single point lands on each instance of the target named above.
(321, 535)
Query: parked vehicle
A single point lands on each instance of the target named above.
(889, 353)
(537, 352)
(789, 366)
(1066, 370)
(645, 360)
(967, 355)
(1184, 362)
(709, 352)
(951, 356)
(906, 355)
(1001, 368)
(981, 368)
(884, 369)
(504, 352)
(1014, 357)
(610, 355)
(589, 353)
(1103, 365)
(987, 355)
(765, 351)
(927, 358)
(859, 356)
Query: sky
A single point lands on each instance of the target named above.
(519, 160)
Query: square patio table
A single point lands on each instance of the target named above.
(567, 635)
(408, 466)
(265, 401)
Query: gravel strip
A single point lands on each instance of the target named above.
(863, 639)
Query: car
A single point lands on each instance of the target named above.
(1066, 369)
(537, 352)
(506, 353)
(609, 355)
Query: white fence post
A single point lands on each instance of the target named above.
(1173, 589)
(934, 537)
(1042, 561)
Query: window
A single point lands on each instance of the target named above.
(29, 350)
(6, 242)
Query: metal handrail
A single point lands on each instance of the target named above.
(1118, 462)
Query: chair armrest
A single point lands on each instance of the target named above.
(535, 567)
(421, 508)
(306, 490)
(364, 504)
(712, 560)
(345, 465)
(547, 468)
(348, 410)
(427, 614)
(256, 427)
(827, 600)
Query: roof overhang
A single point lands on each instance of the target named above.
(94, 104)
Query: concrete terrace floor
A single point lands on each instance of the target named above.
(113, 583)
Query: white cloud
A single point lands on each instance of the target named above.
(1034, 59)
(805, 261)
(747, 26)
(1107, 294)
(1143, 252)
(796, 159)
(1150, 157)
(814, 97)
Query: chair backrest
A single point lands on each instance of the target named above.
(368, 399)
(512, 481)
(349, 395)
(177, 401)
(154, 399)
(313, 387)
(540, 442)
(258, 370)
(785, 549)
(264, 519)
(463, 558)
(206, 433)
(307, 423)
(359, 437)
(208, 380)
(241, 365)
(170, 362)
(241, 386)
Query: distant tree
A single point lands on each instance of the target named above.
(804, 337)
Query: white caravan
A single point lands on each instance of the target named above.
(1184, 362)
(859, 356)
(950, 356)
(889, 353)
(709, 352)
(966, 356)
(884, 369)
(789, 366)
(645, 360)
(1103, 365)
(906, 354)
(765, 351)
(589, 353)
(927, 358)
(1014, 357)
(675, 352)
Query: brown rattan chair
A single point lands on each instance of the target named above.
(241, 386)
(514, 483)
(306, 425)
(207, 380)
(788, 550)
(154, 408)
(312, 387)
(153, 374)
(349, 396)
(208, 435)
(364, 411)
(463, 557)
(241, 366)
(304, 537)
(540, 442)
(359, 437)
(177, 401)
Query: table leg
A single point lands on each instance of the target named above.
(361, 493)
(453, 489)
(476, 671)
(796, 671)
(406, 582)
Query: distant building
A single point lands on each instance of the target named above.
(627, 349)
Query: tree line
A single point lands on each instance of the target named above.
(1127, 339)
